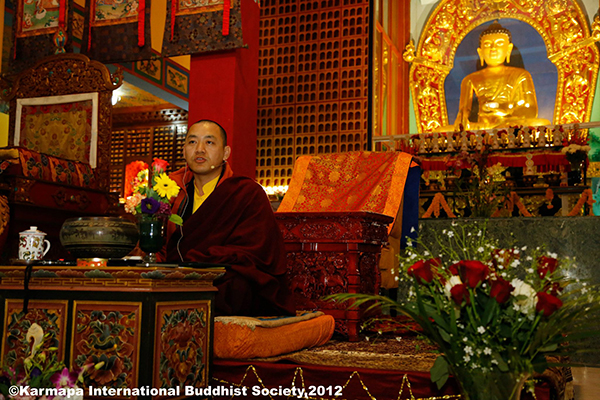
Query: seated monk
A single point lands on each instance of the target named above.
(228, 219)
(506, 95)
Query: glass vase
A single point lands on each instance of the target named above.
(490, 385)
(151, 236)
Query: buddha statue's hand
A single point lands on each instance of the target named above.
(497, 109)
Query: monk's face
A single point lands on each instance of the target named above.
(494, 49)
(204, 149)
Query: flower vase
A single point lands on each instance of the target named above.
(490, 385)
(151, 236)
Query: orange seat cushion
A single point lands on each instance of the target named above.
(241, 342)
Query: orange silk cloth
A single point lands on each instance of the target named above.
(354, 181)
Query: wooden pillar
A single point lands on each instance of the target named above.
(224, 88)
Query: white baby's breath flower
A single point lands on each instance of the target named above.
(469, 350)
(528, 258)
(481, 249)
(412, 229)
(524, 248)
(481, 329)
(487, 351)
(465, 339)
(515, 263)
(426, 253)
(553, 255)
(494, 362)
(530, 270)
(450, 234)
(467, 358)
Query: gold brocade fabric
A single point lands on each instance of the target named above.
(62, 130)
(355, 181)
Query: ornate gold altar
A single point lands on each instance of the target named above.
(151, 326)
(562, 25)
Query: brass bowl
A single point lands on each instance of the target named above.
(102, 237)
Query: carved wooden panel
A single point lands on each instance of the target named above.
(330, 253)
(67, 74)
(110, 333)
(49, 314)
(182, 344)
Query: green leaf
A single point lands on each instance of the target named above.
(439, 372)
(502, 365)
(445, 336)
(176, 219)
(550, 347)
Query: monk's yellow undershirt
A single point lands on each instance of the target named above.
(208, 188)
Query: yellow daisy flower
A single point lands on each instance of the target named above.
(165, 186)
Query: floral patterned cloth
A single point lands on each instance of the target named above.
(49, 168)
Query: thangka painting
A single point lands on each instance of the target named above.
(40, 28)
(117, 30)
(39, 16)
(197, 26)
(110, 12)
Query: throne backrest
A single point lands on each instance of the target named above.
(62, 107)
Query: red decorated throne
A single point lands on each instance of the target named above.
(344, 218)
(58, 159)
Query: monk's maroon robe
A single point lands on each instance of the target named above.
(235, 225)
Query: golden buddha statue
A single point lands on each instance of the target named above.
(506, 95)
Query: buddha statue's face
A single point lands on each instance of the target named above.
(494, 49)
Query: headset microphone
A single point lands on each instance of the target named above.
(216, 166)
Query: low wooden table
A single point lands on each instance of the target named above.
(333, 252)
(152, 326)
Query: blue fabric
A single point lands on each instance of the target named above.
(410, 209)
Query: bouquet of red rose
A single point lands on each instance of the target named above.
(495, 314)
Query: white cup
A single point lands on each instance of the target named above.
(32, 245)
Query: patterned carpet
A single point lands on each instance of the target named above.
(401, 353)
